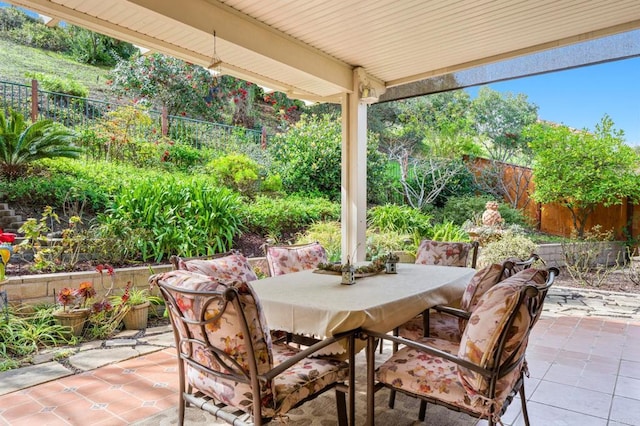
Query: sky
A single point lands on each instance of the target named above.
(580, 97)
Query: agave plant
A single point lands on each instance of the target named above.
(22, 143)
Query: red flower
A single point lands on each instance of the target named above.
(126, 296)
(65, 296)
(85, 292)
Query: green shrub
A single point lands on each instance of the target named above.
(238, 172)
(447, 231)
(326, 233)
(378, 243)
(183, 156)
(309, 156)
(35, 34)
(510, 245)
(25, 333)
(12, 18)
(54, 189)
(461, 209)
(53, 83)
(400, 219)
(382, 243)
(272, 216)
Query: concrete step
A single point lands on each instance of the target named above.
(14, 225)
(6, 212)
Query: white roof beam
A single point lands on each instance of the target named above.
(245, 32)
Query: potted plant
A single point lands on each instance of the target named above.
(137, 303)
(74, 312)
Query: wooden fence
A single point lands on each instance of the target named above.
(554, 219)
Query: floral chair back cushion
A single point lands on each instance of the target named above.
(228, 269)
(443, 253)
(225, 332)
(285, 260)
(481, 336)
(482, 281)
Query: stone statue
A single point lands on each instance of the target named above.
(491, 216)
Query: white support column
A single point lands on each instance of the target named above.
(354, 175)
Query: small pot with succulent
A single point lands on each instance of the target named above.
(137, 303)
(74, 311)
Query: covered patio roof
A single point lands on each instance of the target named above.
(309, 49)
(330, 50)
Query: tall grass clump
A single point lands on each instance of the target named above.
(399, 219)
(184, 216)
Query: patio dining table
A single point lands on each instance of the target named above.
(317, 304)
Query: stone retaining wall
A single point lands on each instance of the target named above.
(34, 289)
(42, 288)
(612, 253)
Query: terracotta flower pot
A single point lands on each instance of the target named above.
(75, 319)
(136, 318)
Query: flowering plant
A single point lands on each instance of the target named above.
(68, 296)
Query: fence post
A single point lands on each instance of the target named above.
(34, 100)
(165, 121)
(263, 138)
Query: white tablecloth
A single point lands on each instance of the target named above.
(317, 304)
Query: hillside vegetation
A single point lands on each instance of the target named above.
(18, 59)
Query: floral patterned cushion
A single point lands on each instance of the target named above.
(443, 253)
(441, 326)
(225, 331)
(227, 269)
(450, 327)
(427, 375)
(285, 260)
(482, 281)
(303, 379)
(480, 338)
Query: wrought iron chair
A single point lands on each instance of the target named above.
(440, 253)
(284, 259)
(446, 322)
(228, 364)
(481, 374)
(447, 253)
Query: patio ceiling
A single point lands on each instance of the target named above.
(309, 48)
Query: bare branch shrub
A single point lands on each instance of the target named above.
(423, 179)
(588, 261)
(632, 271)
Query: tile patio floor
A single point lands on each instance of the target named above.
(584, 371)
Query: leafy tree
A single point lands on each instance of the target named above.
(500, 119)
(308, 157)
(181, 87)
(419, 125)
(21, 143)
(581, 170)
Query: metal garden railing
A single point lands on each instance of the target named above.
(77, 112)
